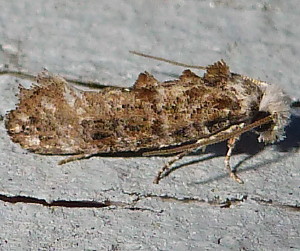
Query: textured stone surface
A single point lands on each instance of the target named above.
(198, 205)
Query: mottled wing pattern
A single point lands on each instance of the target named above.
(53, 117)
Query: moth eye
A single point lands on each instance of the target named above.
(25, 129)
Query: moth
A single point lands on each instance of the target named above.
(155, 118)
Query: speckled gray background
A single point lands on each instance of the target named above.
(197, 207)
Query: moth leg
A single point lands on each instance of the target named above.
(231, 143)
(166, 167)
(74, 158)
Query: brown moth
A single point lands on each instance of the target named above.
(156, 118)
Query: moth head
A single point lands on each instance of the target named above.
(278, 104)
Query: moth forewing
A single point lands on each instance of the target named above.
(53, 117)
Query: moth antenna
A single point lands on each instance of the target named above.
(31, 77)
(219, 137)
(168, 61)
(18, 74)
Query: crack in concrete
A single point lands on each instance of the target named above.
(56, 203)
(216, 202)
(227, 203)
(74, 204)
(293, 208)
(139, 196)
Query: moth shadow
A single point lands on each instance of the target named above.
(249, 145)
(219, 150)
(292, 140)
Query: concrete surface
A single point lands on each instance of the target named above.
(111, 203)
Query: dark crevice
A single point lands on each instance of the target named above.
(74, 204)
(56, 203)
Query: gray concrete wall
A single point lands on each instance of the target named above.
(197, 207)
